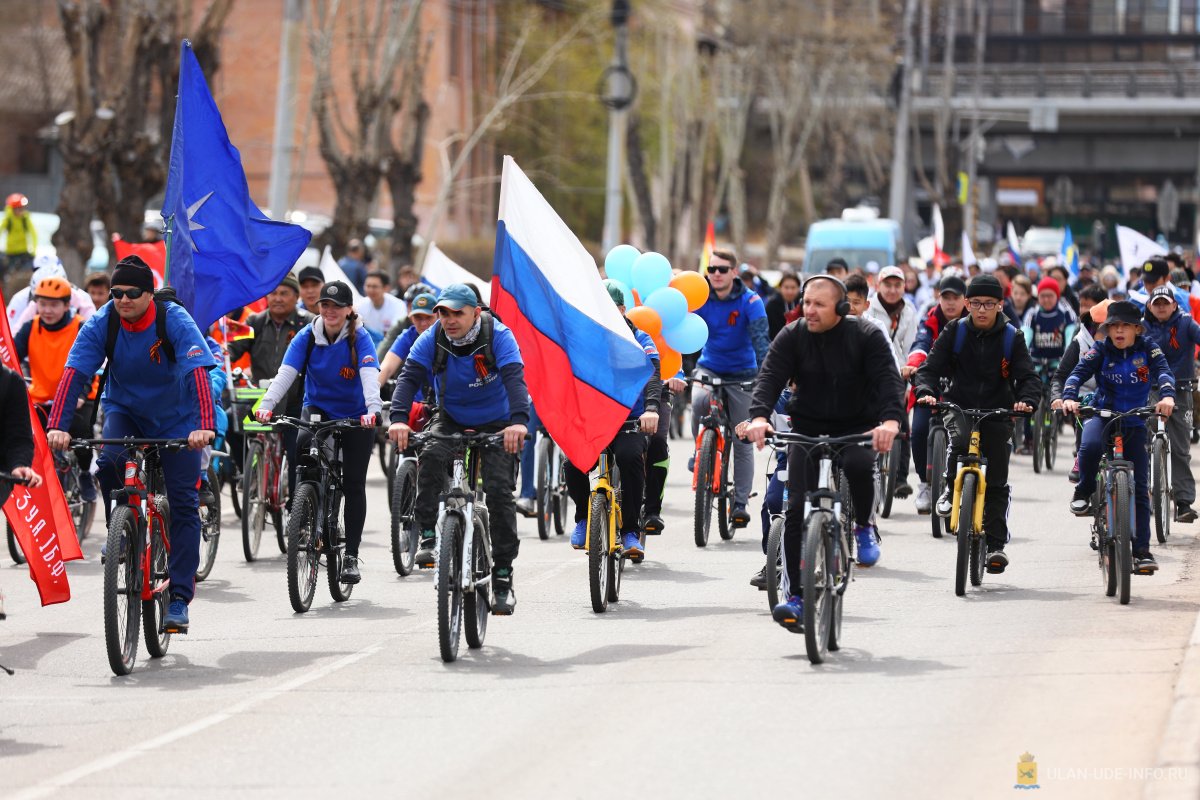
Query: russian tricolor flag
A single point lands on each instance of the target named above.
(583, 366)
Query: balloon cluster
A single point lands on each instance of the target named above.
(663, 304)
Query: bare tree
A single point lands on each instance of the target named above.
(735, 80)
(115, 134)
(403, 164)
(377, 43)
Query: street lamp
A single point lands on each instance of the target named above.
(617, 92)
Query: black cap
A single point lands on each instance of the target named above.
(133, 271)
(952, 283)
(985, 286)
(311, 274)
(1123, 311)
(1156, 268)
(338, 293)
(837, 262)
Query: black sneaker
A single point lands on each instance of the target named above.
(741, 517)
(504, 598)
(426, 557)
(206, 495)
(902, 491)
(1144, 563)
(350, 573)
(1081, 504)
(653, 525)
(759, 580)
(1184, 513)
(997, 562)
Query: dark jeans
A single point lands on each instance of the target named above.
(357, 445)
(920, 441)
(658, 462)
(529, 457)
(995, 445)
(630, 452)
(803, 475)
(499, 480)
(181, 472)
(1091, 448)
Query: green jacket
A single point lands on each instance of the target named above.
(21, 235)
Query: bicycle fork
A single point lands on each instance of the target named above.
(719, 457)
(972, 463)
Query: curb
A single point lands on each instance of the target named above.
(1179, 750)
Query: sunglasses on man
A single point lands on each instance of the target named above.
(132, 293)
(718, 269)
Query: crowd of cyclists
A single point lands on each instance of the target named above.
(847, 351)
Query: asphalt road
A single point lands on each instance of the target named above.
(683, 689)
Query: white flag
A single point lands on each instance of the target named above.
(939, 229)
(439, 271)
(332, 272)
(1136, 248)
(968, 255)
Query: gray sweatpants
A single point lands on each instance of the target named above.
(1179, 432)
(738, 409)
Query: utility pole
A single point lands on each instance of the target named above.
(618, 96)
(283, 142)
(898, 196)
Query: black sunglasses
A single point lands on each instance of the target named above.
(721, 270)
(132, 294)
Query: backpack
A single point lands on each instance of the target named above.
(1010, 336)
(485, 362)
(163, 345)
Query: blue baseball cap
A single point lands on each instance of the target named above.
(456, 296)
(423, 303)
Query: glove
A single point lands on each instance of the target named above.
(367, 420)
(263, 415)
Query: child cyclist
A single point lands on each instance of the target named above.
(1125, 366)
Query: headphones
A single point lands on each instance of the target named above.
(842, 309)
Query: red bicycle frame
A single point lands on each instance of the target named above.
(715, 412)
(144, 505)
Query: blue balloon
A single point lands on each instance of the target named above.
(651, 272)
(670, 304)
(688, 336)
(618, 264)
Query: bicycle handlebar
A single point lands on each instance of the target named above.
(468, 438)
(712, 380)
(297, 422)
(787, 437)
(979, 414)
(1145, 412)
(132, 441)
(8, 477)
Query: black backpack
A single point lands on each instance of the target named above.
(485, 362)
(163, 345)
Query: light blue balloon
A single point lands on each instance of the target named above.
(651, 272)
(618, 264)
(689, 336)
(670, 304)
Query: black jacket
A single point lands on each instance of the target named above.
(846, 378)
(977, 379)
(16, 433)
(776, 310)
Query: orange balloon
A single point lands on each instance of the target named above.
(693, 286)
(647, 320)
(670, 363)
(637, 298)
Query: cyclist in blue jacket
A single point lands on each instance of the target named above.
(1125, 365)
(737, 344)
(1178, 335)
(157, 387)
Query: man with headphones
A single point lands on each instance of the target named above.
(846, 383)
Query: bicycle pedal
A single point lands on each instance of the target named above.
(176, 630)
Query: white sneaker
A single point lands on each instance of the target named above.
(924, 502)
(526, 507)
(945, 504)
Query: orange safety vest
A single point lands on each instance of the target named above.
(237, 328)
(48, 351)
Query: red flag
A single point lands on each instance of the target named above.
(710, 244)
(153, 253)
(40, 517)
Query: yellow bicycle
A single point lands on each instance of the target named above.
(606, 557)
(970, 486)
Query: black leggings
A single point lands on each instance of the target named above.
(630, 452)
(357, 446)
(658, 462)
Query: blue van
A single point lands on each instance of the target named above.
(859, 237)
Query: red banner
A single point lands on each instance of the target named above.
(40, 517)
(153, 253)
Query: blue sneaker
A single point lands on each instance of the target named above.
(632, 545)
(176, 620)
(87, 487)
(579, 535)
(691, 464)
(790, 614)
(868, 547)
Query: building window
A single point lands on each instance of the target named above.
(1050, 16)
(1005, 16)
(1104, 16)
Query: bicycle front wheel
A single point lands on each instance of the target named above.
(254, 507)
(1122, 532)
(545, 489)
(449, 586)
(122, 591)
(1038, 426)
(817, 586)
(937, 478)
(724, 498)
(404, 535)
(155, 609)
(598, 561)
(966, 518)
(774, 568)
(706, 457)
(1160, 490)
(210, 528)
(339, 591)
(302, 559)
(1050, 440)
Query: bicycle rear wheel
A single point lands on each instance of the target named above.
(842, 566)
(937, 478)
(598, 561)
(389, 468)
(449, 588)
(978, 558)
(154, 609)
(14, 548)
(545, 488)
(1160, 490)
(477, 605)
(210, 528)
(1122, 532)
(966, 518)
(816, 587)
(561, 499)
(774, 568)
(404, 535)
(724, 499)
(278, 519)
(1050, 443)
(254, 507)
(122, 591)
(1038, 425)
(705, 461)
(892, 478)
(302, 559)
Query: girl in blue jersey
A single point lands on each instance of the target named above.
(341, 381)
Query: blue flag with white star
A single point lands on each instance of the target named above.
(222, 252)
